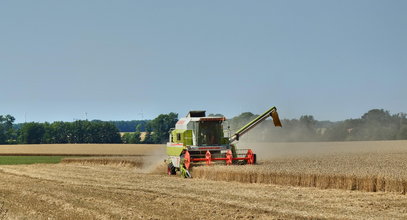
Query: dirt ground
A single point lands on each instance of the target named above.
(69, 191)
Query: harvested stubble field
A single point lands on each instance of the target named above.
(125, 161)
(144, 164)
(137, 188)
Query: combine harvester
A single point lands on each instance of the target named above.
(197, 139)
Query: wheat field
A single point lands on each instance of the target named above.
(365, 166)
(136, 187)
(76, 191)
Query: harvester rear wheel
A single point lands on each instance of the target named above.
(171, 169)
(254, 159)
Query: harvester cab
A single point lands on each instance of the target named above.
(198, 139)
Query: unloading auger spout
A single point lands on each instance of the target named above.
(272, 112)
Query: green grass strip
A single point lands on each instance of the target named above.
(14, 160)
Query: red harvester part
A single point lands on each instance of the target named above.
(249, 158)
(187, 160)
(208, 157)
(229, 157)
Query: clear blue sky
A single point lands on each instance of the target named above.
(117, 59)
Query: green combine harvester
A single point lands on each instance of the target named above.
(197, 139)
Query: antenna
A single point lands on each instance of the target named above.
(142, 115)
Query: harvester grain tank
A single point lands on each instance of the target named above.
(197, 139)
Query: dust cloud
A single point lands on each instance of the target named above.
(269, 151)
(269, 142)
(153, 163)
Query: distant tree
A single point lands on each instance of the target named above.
(7, 133)
(148, 139)
(105, 132)
(126, 138)
(160, 127)
(402, 134)
(60, 132)
(339, 132)
(377, 115)
(376, 124)
(135, 138)
(148, 128)
(140, 127)
(78, 131)
(81, 131)
(237, 122)
(48, 137)
(308, 121)
(130, 126)
(157, 138)
(32, 133)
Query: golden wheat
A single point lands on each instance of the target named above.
(110, 161)
(366, 172)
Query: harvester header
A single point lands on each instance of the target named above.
(198, 139)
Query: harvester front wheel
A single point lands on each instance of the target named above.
(171, 169)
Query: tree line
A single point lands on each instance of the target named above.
(80, 131)
(155, 131)
(376, 124)
(83, 131)
(123, 126)
(131, 126)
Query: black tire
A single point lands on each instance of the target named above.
(171, 169)
(254, 159)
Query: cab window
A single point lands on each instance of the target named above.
(178, 136)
